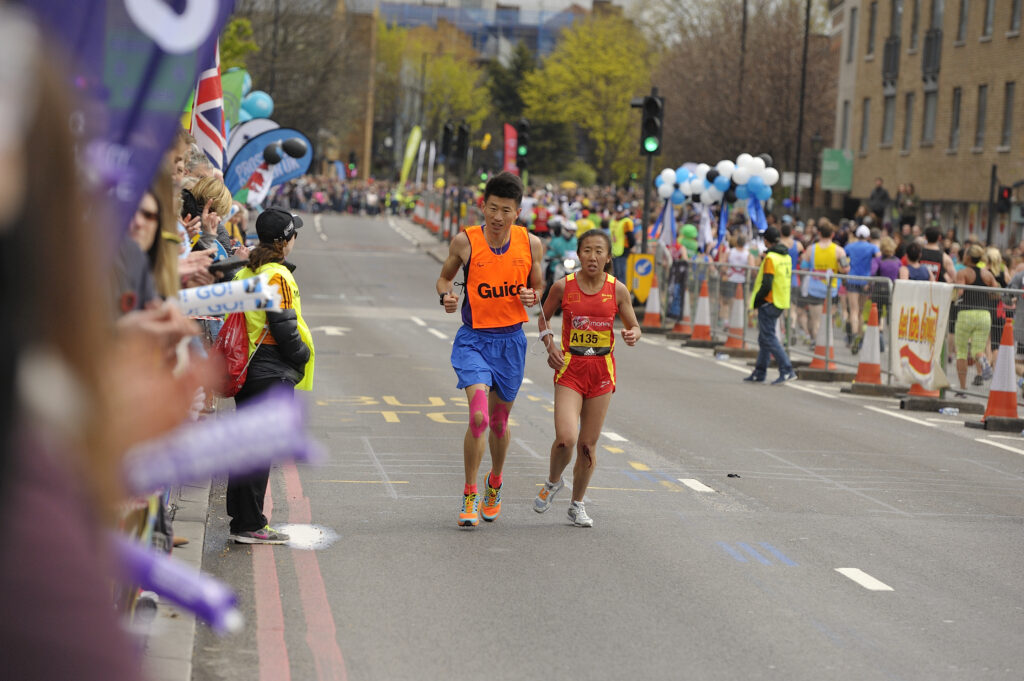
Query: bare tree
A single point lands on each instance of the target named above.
(314, 61)
(711, 118)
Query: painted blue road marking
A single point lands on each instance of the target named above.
(733, 552)
(631, 475)
(778, 554)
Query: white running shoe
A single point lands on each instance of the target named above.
(546, 495)
(578, 515)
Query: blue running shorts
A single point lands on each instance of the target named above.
(493, 359)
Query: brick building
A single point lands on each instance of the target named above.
(928, 92)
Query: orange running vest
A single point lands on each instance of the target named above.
(493, 281)
(587, 320)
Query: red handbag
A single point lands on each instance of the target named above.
(233, 345)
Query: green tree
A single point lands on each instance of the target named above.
(505, 82)
(599, 65)
(454, 89)
(236, 43)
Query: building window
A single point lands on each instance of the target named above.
(872, 20)
(1005, 137)
(844, 133)
(990, 16)
(908, 121)
(961, 24)
(954, 119)
(915, 24)
(888, 119)
(979, 131)
(864, 124)
(896, 18)
(931, 103)
(1015, 17)
(938, 9)
(851, 45)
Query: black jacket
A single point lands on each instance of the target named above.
(287, 359)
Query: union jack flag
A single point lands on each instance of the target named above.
(207, 124)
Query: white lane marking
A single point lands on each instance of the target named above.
(405, 235)
(695, 485)
(1005, 437)
(614, 437)
(650, 342)
(943, 420)
(417, 321)
(319, 229)
(1000, 445)
(688, 353)
(528, 449)
(812, 391)
(437, 333)
(888, 412)
(725, 364)
(527, 381)
(864, 579)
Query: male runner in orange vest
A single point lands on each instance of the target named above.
(501, 262)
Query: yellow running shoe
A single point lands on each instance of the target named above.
(492, 500)
(468, 516)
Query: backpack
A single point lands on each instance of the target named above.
(233, 345)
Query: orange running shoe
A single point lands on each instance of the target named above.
(542, 501)
(492, 500)
(468, 516)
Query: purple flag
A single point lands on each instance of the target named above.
(134, 64)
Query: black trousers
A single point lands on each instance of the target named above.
(246, 493)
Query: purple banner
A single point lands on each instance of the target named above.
(134, 64)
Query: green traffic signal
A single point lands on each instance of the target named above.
(651, 144)
(483, 177)
(522, 150)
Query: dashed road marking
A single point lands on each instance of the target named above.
(527, 381)
(671, 486)
(695, 485)
(317, 225)
(613, 450)
(688, 353)
(864, 579)
(889, 412)
(721, 363)
(437, 333)
(637, 466)
(1000, 445)
(614, 437)
(417, 321)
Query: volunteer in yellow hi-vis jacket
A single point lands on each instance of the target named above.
(771, 298)
(281, 351)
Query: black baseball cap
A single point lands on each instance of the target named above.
(276, 224)
(771, 235)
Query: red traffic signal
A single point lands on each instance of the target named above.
(1003, 197)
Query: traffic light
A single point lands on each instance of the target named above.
(651, 125)
(447, 132)
(352, 164)
(522, 142)
(462, 145)
(1003, 199)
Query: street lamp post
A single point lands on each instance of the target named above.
(816, 143)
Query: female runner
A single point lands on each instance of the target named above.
(584, 365)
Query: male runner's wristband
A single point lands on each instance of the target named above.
(442, 298)
(545, 332)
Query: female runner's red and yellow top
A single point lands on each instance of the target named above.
(588, 338)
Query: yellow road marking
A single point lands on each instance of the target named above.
(321, 403)
(551, 409)
(639, 466)
(671, 486)
(613, 450)
(533, 398)
(623, 489)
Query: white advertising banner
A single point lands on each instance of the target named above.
(920, 312)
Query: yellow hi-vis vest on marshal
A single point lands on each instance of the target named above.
(256, 320)
(782, 279)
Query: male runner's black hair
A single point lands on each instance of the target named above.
(504, 185)
(607, 242)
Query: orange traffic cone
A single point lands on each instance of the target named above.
(683, 325)
(822, 342)
(1002, 397)
(870, 368)
(702, 318)
(652, 309)
(737, 319)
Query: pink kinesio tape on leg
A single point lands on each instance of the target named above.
(499, 420)
(478, 407)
